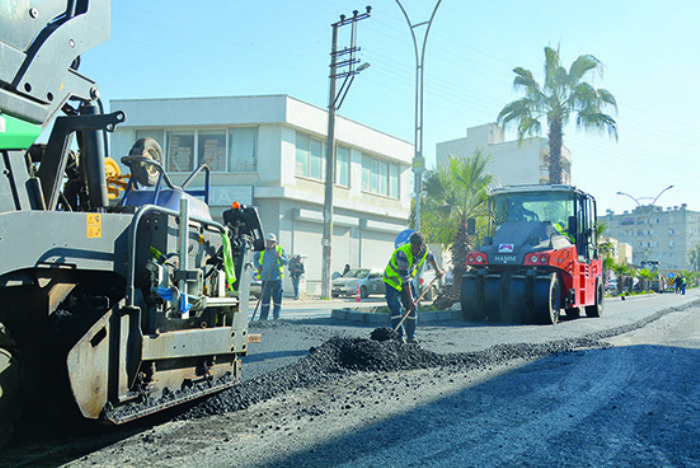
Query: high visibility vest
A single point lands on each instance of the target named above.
(391, 273)
(560, 229)
(280, 250)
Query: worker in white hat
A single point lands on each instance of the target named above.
(270, 263)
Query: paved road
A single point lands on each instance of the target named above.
(633, 404)
(307, 324)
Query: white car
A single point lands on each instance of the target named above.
(369, 281)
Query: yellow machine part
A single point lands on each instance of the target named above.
(116, 182)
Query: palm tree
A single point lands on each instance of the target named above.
(455, 192)
(564, 93)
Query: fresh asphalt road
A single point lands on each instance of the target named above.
(307, 323)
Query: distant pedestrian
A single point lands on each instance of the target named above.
(400, 290)
(346, 269)
(684, 283)
(270, 263)
(296, 270)
(677, 284)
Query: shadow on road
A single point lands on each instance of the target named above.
(628, 406)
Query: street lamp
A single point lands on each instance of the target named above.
(335, 100)
(418, 159)
(628, 195)
(636, 200)
(661, 192)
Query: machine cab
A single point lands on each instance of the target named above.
(568, 210)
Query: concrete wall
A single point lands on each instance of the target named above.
(511, 162)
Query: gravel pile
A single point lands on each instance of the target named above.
(342, 356)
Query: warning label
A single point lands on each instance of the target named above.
(94, 225)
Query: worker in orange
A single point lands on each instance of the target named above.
(400, 291)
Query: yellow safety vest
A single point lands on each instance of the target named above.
(278, 248)
(391, 273)
(564, 233)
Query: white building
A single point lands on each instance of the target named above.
(511, 162)
(666, 236)
(269, 152)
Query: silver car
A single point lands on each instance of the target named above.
(368, 280)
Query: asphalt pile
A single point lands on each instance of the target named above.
(341, 356)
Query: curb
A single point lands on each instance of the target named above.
(349, 315)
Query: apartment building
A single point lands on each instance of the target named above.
(666, 235)
(511, 162)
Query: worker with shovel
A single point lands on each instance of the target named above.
(400, 291)
(270, 263)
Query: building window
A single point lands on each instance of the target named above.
(380, 177)
(394, 180)
(243, 145)
(234, 150)
(180, 151)
(342, 166)
(309, 157)
(211, 149)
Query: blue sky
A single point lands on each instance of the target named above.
(650, 49)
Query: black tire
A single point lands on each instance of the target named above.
(513, 310)
(363, 292)
(146, 174)
(494, 293)
(547, 299)
(596, 310)
(471, 298)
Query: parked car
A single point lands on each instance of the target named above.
(612, 285)
(369, 281)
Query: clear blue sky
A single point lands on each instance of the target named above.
(650, 49)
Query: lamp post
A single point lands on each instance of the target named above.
(418, 159)
(628, 195)
(335, 100)
(653, 200)
(661, 193)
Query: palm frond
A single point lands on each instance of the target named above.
(597, 121)
(582, 65)
(607, 97)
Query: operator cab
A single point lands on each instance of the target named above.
(562, 209)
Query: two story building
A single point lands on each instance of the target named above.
(269, 152)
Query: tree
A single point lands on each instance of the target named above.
(694, 258)
(455, 192)
(564, 93)
(646, 276)
(606, 249)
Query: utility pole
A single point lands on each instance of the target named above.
(340, 69)
(418, 158)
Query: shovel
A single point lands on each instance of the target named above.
(262, 293)
(405, 316)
